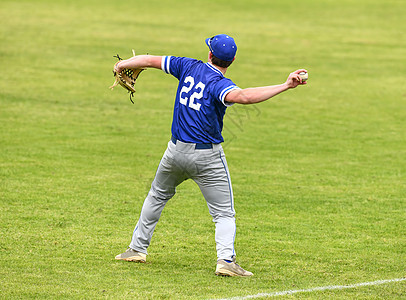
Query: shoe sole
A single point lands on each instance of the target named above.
(228, 273)
(225, 274)
(134, 259)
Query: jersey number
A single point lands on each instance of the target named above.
(189, 84)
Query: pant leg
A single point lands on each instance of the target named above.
(168, 176)
(215, 183)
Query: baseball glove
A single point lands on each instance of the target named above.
(126, 78)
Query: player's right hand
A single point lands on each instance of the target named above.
(294, 79)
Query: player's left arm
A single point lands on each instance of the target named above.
(139, 61)
(259, 94)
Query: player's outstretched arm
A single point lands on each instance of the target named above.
(259, 94)
(139, 61)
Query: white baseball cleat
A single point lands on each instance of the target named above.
(132, 255)
(230, 269)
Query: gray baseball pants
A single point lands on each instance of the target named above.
(208, 168)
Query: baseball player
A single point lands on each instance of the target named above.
(195, 151)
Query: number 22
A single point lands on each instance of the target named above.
(198, 94)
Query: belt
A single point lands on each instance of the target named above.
(197, 146)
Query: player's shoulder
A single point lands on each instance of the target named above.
(174, 64)
(193, 64)
(184, 60)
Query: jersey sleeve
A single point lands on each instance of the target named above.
(222, 88)
(174, 65)
(165, 64)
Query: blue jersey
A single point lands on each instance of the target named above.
(199, 105)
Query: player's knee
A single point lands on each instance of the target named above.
(160, 194)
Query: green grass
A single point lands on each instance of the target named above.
(318, 173)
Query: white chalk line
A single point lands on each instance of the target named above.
(317, 289)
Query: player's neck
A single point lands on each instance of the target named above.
(222, 70)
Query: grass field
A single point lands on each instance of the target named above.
(319, 173)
